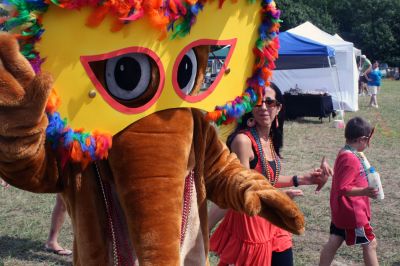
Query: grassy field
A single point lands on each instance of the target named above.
(25, 217)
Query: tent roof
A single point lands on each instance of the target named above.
(221, 53)
(294, 45)
(357, 52)
(308, 30)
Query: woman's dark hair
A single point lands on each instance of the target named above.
(357, 127)
(276, 132)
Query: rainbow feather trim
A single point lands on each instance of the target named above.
(74, 145)
(266, 52)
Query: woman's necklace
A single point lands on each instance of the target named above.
(359, 156)
(265, 170)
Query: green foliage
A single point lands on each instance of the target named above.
(295, 13)
(371, 25)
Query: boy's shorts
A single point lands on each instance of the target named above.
(354, 236)
(372, 90)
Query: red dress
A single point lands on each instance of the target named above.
(245, 240)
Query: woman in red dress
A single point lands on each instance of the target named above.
(245, 240)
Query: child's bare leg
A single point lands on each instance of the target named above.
(369, 254)
(371, 101)
(375, 100)
(329, 250)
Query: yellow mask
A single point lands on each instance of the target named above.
(68, 44)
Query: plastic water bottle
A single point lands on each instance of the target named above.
(374, 181)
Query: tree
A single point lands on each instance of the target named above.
(371, 25)
(295, 13)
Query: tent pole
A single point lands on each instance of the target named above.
(338, 84)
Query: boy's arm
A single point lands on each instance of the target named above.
(362, 191)
(346, 171)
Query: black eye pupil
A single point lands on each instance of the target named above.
(127, 73)
(184, 72)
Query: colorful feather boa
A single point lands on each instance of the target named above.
(265, 52)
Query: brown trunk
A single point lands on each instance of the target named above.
(150, 188)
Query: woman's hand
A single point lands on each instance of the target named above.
(326, 172)
(319, 176)
(326, 169)
(4, 184)
(292, 193)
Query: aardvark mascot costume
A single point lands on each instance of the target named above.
(104, 102)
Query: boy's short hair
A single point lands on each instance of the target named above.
(357, 127)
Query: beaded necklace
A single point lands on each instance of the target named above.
(264, 166)
(358, 155)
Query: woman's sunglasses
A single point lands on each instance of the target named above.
(269, 102)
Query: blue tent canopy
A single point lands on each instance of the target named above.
(291, 44)
(297, 52)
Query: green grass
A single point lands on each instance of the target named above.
(25, 217)
(24, 225)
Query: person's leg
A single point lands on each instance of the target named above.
(365, 88)
(284, 258)
(371, 101)
(57, 220)
(369, 253)
(375, 100)
(329, 250)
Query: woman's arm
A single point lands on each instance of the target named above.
(241, 145)
(317, 177)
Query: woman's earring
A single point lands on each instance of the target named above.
(251, 122)
(276, 122)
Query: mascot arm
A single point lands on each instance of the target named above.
(25, 161)
(230, 185)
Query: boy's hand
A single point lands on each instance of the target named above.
(370, 192)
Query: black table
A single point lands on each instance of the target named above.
(308, 105)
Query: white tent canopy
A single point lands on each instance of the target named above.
(357, 52)
(344, 94)
(300, 61)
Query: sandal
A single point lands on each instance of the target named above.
(60, 252)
